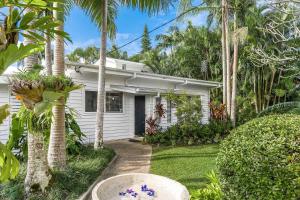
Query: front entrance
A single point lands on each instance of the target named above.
(139, 115)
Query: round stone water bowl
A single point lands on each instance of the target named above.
(138, 186)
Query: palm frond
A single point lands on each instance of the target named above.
(280, 108)
(93, 9)
(150, 7)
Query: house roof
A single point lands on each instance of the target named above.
(144, 75)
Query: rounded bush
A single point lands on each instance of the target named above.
(261, 159)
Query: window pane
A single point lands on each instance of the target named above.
(169, 112)
(114, 102)
(90, 101)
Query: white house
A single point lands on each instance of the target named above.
(132, 91)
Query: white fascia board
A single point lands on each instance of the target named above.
(151, 76)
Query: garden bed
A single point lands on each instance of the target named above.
(188, 165)
(82, 171)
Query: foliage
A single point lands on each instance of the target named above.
(218, 112)
(281, 108)
(213, 132)
(159, 110)
(88, 55)
(212, 190)
(81, 172)
(151, 125)
(74, 135)
(146, 43)
(188, 112)
(260, 159)
(9, 165)
(188, 165)
(17, 140)
(39, 92)
(115, 52)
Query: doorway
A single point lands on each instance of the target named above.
(139, 115)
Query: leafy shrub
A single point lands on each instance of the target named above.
(212, 190)
(261, 159)
(17, 140)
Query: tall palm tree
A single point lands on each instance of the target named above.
(144, 5)
(57, 144)
(38, 173)
(101, 81)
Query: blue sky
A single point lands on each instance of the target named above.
(130, 24)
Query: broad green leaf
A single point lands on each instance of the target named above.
(14, 53)
(51, 96)
(9, 165)
(4, 112)
(36, 2)
(41, 107)
(26, 19)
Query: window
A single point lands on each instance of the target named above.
(90, 101)
(158, 102)
(114, 102)
(169, 112)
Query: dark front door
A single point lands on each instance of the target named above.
(139, 115)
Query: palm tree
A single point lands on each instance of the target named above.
(38, 173)
(101, 81)
(57, 144)
(144, 5)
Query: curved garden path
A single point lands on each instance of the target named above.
(132, 157)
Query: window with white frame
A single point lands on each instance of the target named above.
(113, 102)
(90, 101)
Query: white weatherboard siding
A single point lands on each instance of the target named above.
(116, 125)
(4, 99)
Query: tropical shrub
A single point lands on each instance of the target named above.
(211, 192)
(261, 159)
(17, 140)
(9, 165)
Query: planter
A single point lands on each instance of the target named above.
(138, 186)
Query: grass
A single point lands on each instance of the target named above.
(187, 165)
(82, 171)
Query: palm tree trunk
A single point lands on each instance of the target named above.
(271, 86)
(38, 173)
(255, 92)
(101, 82)
(227, 46)
(234, 72)
(57, 144)
(48, 55)
(224, 55)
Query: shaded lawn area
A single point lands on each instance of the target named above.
(82, 171)
(187, 165)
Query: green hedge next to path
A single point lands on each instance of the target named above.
(82, 171)
(261, 160)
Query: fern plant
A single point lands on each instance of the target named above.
(280, 108)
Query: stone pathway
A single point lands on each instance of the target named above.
(131, 157)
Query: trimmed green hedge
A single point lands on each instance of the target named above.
(261, 159)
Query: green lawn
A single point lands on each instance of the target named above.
(187, 165)
(82, 171)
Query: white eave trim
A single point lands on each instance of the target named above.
(151, 76)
